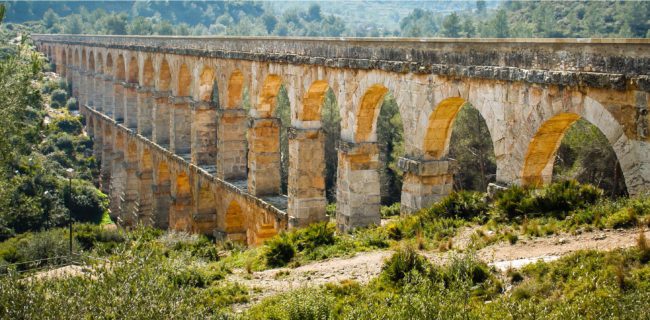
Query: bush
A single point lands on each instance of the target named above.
(72, 104)
(390, 211)
(87, 203)
(69, 124)
(624, 218)
(279, 251)
(461, 204)
(402, 263)
(554, 200)
(315, 235)
(59, 96)
(91, 235)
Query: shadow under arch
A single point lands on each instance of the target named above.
(540, 158)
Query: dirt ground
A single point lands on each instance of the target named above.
(367, 265)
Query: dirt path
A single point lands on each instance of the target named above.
(365, 266)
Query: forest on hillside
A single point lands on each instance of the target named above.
(561, 19)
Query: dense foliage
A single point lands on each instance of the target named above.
(38, 143)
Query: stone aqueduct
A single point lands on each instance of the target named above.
(178, 149)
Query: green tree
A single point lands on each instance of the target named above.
(480, 6)
(50, 18)
(500, 24)
(313, 13)
(471, 146)
(390, 136)
(270, 22)
(73, 25)
(468, 27)
(451, 26)
(283, 112)
(331, 121)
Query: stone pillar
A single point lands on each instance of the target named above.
(129, 195)
(98, 97)
(117, 184)
(161, 202)
(264, 156)
(75, 83)
(130, 106)
(98, 138)
(118, 101)
(204, 134)
(180, 126)
(425, 182)
(109, 102)
(231, 144)
(106, 168)
(306, 188)
(144, 198)
(358, 190)
(83, 88)
(145, 102)
(181, 211)
(160, 118)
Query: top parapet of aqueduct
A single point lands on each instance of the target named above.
(617, 60)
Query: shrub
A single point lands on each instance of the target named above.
(402, 263)
(90, 235)
(59, 96)
(330, 210)
(72, 104)
(461, 204)
(315, 235)
(69, 124)
(561, 197)
(624, 218)
(279, 251)
(512, 203)
(390, 211)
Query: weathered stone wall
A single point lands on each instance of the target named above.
(185, 96)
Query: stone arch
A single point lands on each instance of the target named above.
(162, 172)
(439, 127)
(164, 76)
(70, 58)
(109, 64)
(235, 89)
(120, 68)
(540, 155)
(312, 101)
(133, 70)
(206, 84)
(64, 57)
(100, 63)
(91, 61)
(268, 95)
(131, 151)
(368, 111)
(76, 58)
(235, 222)
(184, 81)
(148, 73)
(206, 207)
(83, 58)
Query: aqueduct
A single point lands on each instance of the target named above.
(178, 148)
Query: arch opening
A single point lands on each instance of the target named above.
(331, 126)
(120, 68)
(568, 146)
(83, 58)
(390, 137)
(282, 111)
(235, 219)
(184, 81)
(91, 61)
(100, 63)
(470, 145)
(148, 73)
(133, 70)
(165, 76)
(206, 84)
(109, 64)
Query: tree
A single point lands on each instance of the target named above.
(390, 136)
(451, 26)
(50, 18)
(313, 13)
(115, 24)
(2, 12)
(500, 24)
(73, 25)
(269, 22)
(468, 27)
(480, 6)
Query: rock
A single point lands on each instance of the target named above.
(601, 236)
